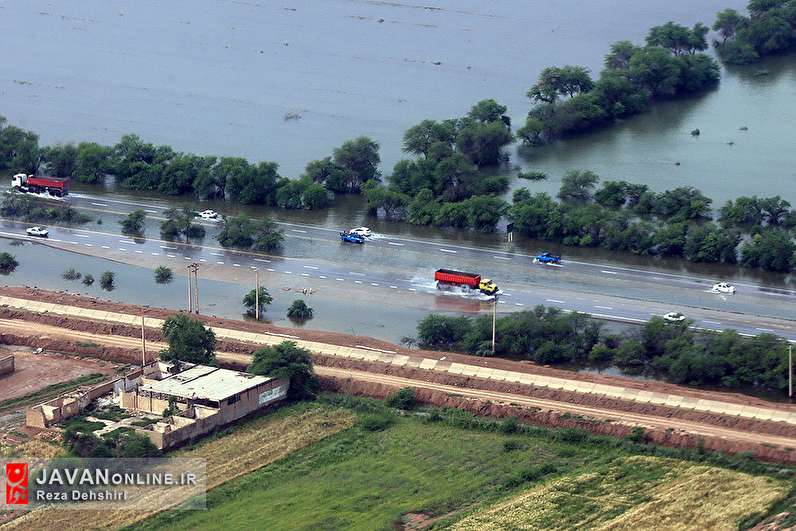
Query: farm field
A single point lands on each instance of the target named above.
(393, 471)
(229, 454)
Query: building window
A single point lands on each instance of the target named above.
(231, 400)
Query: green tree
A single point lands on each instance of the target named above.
(91, 162)
(163, 275)
(299, 311)
(656, 70)
(189, 341)
(577, 186)
(403, 398)
(531, 133)
(267, 236)
(250, 301)
(772, 249)
(8, 263)
(107, 280)
(441, 332)
(727, 23)
(619, 56)
(743, 213)
(360, 161)
(482, 143)
(679, 39)
(486, 111)
(88, 279)
(179, 222)
(420, 138)
(555, 82)
(60, 159)
(134, 222)
(289, 362)
(775, 210)
(19, 149)
(709, 243)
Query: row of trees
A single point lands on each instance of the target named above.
(445, 184)
(621, 216)
(667, 350)
(769, 28)
(568, 101)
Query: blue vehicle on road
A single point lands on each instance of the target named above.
(547, 258)
(350, 237)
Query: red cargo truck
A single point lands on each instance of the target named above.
(54, 186)
(449, 277)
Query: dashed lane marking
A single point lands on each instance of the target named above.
(220, 263)
(321, 276)
(603, 307)
(305, 274)
(448, 251)
(269, 269)
(357, 274)
(518, 304)
(262, 260)
(373, 284)
(171, 255)
(99, 204)
(712, 322)
(609, 272)
(555, 301)
(151, 211)
(764, 329)
(412, 289)
(310, 267)
(357, 282)
(394, 287)
(155, 254)
(88, 245)
(80, 236)
(396, 244)
(169, 248)
(217, 254)
(299, 231)
(340, 279)
(288, 272)
(122, 249)
(103, 246)
(501, 258)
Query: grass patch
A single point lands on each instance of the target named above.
(141, 423)
(80, 424)
(111, 413)
(51, 390)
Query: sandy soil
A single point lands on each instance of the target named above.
(350, 340)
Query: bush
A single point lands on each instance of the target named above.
(377, 422)
(134, 222)
(251, 299)
(509, 425)
(189, 341)
(7, 263)
(163, 275)
(533, 175)
(107, 281)
(290, 363)
(571, 435)
(299, 311)
(71, 274)
(402, 399)
(88, 279)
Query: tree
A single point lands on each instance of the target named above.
(244, 233)
(88, 279)
(656, 70)
(134, 222)
(107, 280)
(743, 213)
(577, 186)
(179, 222)
(420, 138)
(267, 236)
(711, 244)
(486, 111)
(774, 210)
(531, 132)
(288, 362)
(299, 311)
(60, 159)
(555, 82)
(482, 142)
(189, 341)
(163, 275)
(360, 160)
(612, 194)
(619, 56)
(679, 39)
(403, 398)
(8, 263)
(441, 332)
(250, 301)
(772, 249)
(19, 149)
(727, 23)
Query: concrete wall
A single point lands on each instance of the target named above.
(53, 411)
(6, 364)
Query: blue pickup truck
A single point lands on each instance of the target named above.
(351, 237)
(547, 258)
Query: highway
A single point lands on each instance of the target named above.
(390, 266)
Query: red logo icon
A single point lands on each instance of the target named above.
(16, 483)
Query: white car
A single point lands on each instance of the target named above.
(674, 317)
(209, 215)
(41, 232)
(365, 232)
(723, 287)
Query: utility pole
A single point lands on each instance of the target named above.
(790, 370)
(193, 302)
(190, 291)
(494, 322)
(257, 294)
(143, 344)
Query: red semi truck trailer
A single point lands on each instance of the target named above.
(449, 277)
(54, 186)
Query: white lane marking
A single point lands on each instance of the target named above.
(151, 211)
(126, 241)
(172, 255)
(80, 236)
(235, 265)
(357, 274)
(321, 276)
(99, 204)
(155, 254)
(122, 249)
(501, 258)
(140, 252)
(764, 329)
(604, 307)
(220, 263)
(396, 244)
(394, 287)
(340, 279)
(298, 230)
(506, 294)
(357, 282)
(518, 304)
(253, 267)
(169, 248)
(502, 302)
(187, 257)
(202, 260)
(103, 246)
(88, 245)
(555, 300)
(412, 289)
(376, 349)
(269, 269)
(305, 274)
(608, 272)
(217, 254)
(373, 284)
(261, 260)
(288, 272)
(711, 322)
(310, 267)
(618, 317)
(448, 251)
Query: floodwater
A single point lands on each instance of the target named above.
(289, 82)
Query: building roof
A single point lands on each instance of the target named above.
(201, 381)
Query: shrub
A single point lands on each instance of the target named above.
(533, 175)
(163, 275)
(299, 311)
(570, 435)
(71, 274)
(402, 399)
(88, 279)
(7, 263)
(377, 422)
(107, 280)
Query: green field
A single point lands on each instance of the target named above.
(449, 466)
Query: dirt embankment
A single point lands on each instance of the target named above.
(81, 301)
(554, 419)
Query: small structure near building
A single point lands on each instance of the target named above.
(6, 364)
(183, 401)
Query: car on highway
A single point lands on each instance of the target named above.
(547, 258)
(209, 215)
(365, 232)
(37, 231)
(723, 287)
(674, 317)
(350, 237)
